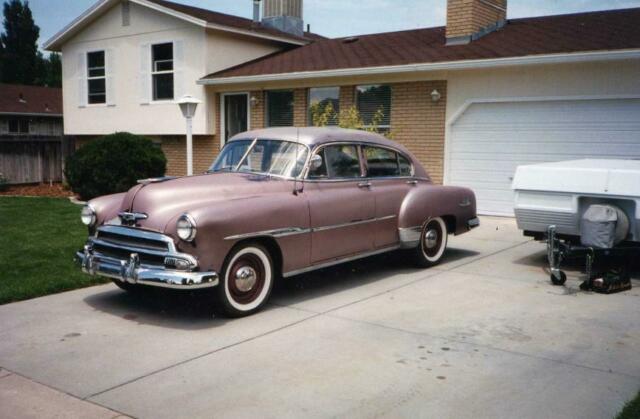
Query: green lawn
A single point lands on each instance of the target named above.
(38, 239)
(631, 410)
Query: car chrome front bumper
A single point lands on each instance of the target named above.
(133, 272)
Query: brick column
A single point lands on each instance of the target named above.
(300, 108)
(418, 123)
(347, 97)
(257, 111)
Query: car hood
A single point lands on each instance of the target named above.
(165, 200)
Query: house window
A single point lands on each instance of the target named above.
(19, 126)
(322, 100)
(96, 76)
(280, 108)
(162, 71)
(374, 105)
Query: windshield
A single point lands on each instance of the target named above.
(273, 157)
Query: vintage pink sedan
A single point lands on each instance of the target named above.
(276, 203)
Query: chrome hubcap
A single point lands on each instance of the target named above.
(431, 239)
(246, 278)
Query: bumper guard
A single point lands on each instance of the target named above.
(133, 272)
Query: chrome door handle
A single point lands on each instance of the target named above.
(364, 185)
(412, 182)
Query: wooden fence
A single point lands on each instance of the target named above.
(33, 159)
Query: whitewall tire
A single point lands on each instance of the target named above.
(247, 281)
(433, 242)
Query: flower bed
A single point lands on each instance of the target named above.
(56, 190)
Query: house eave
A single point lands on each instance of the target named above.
(50, 115)
(592, 56)
(55, 43)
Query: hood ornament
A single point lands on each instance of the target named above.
(131, 218)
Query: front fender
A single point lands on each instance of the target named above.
(107, 207)
(456, 204)
(224, 224)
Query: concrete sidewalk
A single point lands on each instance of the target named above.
(482, 335)
(24, 398)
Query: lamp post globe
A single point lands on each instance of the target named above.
(188, 105)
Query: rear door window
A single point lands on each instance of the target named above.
(338, 162)
(381, 162)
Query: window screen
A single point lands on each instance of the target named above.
(338, 161)
(280, 108)
(321, 100)
(381, 162)
(375, 100)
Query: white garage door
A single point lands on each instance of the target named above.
(489, 140)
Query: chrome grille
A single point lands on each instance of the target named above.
(120, 242)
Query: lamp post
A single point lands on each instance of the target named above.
(188, 105)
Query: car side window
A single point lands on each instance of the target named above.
(405, 166)
(338, 162)
(381, 162)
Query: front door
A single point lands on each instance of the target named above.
(236, 115)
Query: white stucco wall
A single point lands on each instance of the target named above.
(204, 52)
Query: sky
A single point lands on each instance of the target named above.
(338, 18)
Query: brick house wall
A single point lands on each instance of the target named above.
(417, 122)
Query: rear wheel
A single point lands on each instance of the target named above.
(247, 281)
(433, 243)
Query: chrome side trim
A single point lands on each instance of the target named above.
(292, 231)
(282, 232)
(410, 237)
(339, 261)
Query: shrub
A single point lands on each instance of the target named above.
(4, 183)
(113, 164)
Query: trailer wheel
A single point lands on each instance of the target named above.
(560, 281)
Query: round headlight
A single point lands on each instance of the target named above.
(186, 228)
(88, 215)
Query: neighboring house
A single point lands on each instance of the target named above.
(31, 133)
(473, 100)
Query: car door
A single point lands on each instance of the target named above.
(341, 205)
(390, 175)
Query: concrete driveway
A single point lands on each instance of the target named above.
(482, 335)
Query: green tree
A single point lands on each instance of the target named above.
(53, 70)
(348, 118)
(19, 62)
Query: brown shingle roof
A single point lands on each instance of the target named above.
(595, 31)
(232, 21)
(18, 99)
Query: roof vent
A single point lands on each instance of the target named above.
(350, 40)
(21, 98)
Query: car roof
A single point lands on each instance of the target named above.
(314, 136)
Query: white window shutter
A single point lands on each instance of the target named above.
(145, 74)
(81, 75)
(178, 70)
(110, 77)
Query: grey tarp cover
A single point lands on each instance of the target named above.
(603, 226)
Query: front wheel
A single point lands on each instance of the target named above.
(248, 278)
(433, 243)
